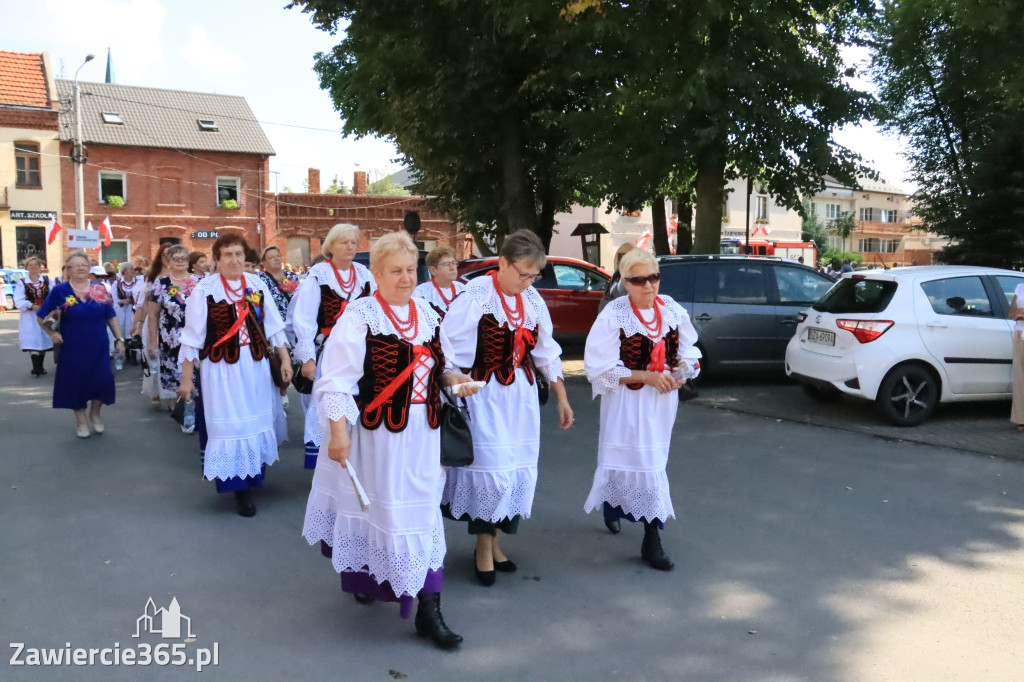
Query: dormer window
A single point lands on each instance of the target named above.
(207, 125)
(112, 118)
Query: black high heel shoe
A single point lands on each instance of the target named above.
(486, 578)
(506, 566)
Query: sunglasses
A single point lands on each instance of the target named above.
(653, 278)
(526, 276)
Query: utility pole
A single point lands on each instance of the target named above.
(78, 155)
(750, 190)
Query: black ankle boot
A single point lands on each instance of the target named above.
(244, 503)
(651, 551)
(37, 365)
(430, 623)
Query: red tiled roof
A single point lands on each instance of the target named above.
(22, 80)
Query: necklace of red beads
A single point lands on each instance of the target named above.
(408, 329)
(652, 328)
(349, 286)
(515, 316)
(233, 295)
(447, 301)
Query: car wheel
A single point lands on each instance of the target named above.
(9, 303)
(823, 394)
(908, 395)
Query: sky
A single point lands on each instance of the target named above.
(258, 50)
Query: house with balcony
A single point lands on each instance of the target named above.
(885, 230)
(167, 166)
(30, 177)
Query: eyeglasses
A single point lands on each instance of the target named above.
(446, 264)
(179, 259)
(653, 278)
(525, 276)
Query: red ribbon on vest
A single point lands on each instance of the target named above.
(326, 331)
(420, 354)
(658, 357)
(242, 309)
(522, 337)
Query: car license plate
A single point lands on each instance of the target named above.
(822, 337)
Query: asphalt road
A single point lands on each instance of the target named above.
(865, 559)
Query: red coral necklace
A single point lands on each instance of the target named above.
(410, 328)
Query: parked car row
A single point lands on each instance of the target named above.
(907, 339)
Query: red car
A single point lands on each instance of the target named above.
(572, 289)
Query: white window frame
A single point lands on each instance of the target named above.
(761, 212)
(832, 211)
(124, 185)
(238, 188)
(889, 215)
(128, 247)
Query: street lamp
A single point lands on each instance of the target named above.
(78, 156)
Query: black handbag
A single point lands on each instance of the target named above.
(456, 439)
(301, 383)
(543, 385)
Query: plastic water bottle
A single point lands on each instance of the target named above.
(118, 361)
(188, 425)
(154, 365)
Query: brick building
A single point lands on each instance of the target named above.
(30, 178)
(302, 220)
(166, 166)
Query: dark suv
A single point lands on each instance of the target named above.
(744, 307)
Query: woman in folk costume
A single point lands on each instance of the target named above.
(383, 368)
(166, 318)
(443, 286)
(500, 329)
(125, 291)
(231, 326)
(639, 353)
(29, 294)
(321, 299)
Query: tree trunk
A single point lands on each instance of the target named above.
(481, 245)
(659, 228)
(519, 205)
(710, 186)
(546, 220)
(684, 229)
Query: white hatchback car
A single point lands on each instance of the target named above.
(909, 338)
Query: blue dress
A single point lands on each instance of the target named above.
(84, 372)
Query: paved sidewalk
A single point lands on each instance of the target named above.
(982, 428)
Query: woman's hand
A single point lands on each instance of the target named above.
(286, 364)
(452, 378)
(565, 415)
(340, 446)
(664, 383)
(185, 388)
(56, 338)
(309, 369)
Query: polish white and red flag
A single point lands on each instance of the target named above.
(105, 231)
(643, 240)
(52, 231)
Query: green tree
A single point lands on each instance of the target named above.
(705, 91)
(812, 229)
(386, 186)
(842, 226)
(472, 92)
(337, 187)
(950, 81)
